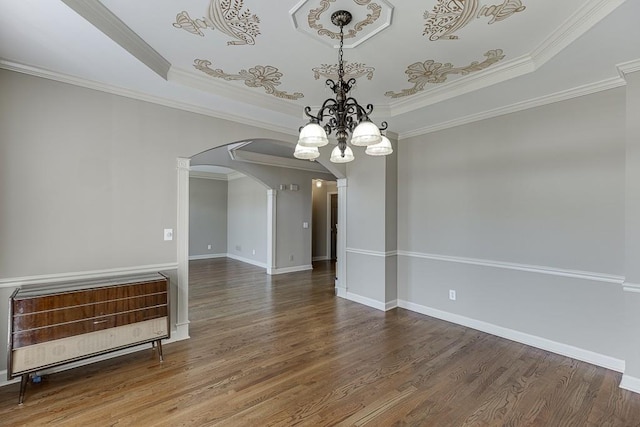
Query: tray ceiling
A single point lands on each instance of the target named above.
(422, 64)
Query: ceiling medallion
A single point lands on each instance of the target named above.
(352, 70)
(226, 17)
(264, 76)
(369, 17)
(343, 116)
(421, 73)
(449, 16)
(316, 14)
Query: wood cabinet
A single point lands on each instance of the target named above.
(56, 324)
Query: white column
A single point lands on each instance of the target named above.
(182, 241)
(271, 231)
(341, 244)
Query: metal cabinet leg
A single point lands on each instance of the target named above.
(23, 387)
(160, 350)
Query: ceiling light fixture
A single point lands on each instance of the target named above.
(343, 116)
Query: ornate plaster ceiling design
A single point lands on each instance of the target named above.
(227, 17)
(421, 73)
(264, 76)
(449, 16)
(352, 70)
(369, 18)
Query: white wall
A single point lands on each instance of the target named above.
(207, 217)
(247, 221)
(542, 188)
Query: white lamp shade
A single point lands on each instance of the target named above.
(313, 135)
(365, 134)
(336, 155)
(306, 153)
(382, 148)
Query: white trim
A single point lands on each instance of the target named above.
(564, 95)
(320, 258)
(240, 155)
(206, 256)
(84, 275)
(208, 175)
(576, 274)
(292, 269)
(140, 96)
(372, 253)
(247, 260)
(369, 302)
(175, 337)
(630, 383)
(588, 356)
(341, 244)
(183, 166)
(390, 305)
(628, 68)
(272, 221)
(341, 292)
(591, 12)
(631, 287)
(107, 22)
(235, 175)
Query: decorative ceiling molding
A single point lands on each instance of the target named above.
(628, 68)
(127, 93)
(589, 89)
(264, 76)
(104, 20)
(592, 12)
(421, 73)
(226, 17)
(312, 17)
(438, 93)
(449, 16)
(236, 92)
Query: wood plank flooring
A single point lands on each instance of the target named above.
(283, 350)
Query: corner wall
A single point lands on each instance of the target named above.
(522, 215)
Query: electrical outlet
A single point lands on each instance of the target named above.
(253, 252)
(452, 294)
(209, 247)
(168, 234)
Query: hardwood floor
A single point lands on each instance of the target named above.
(282, 350)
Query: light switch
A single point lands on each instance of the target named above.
(305, 225)
(168, 234)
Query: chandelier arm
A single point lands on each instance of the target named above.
(383, 126)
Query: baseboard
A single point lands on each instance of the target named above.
(521, 337)
(630, 383)
(179, 336)
(391, 305)
(206, 256)
(341, 292)
(293, 269)
(320, 258)
(247, 260)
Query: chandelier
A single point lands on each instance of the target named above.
(343, 116)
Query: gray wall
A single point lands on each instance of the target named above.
(207, 217)
(247, 220)
(88, 180)
(543, 187)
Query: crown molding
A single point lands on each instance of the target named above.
(128, 93)
(234, 91)
(580, 22)
(104, 20)
(576, 25)
(564, 95)
(628, 68)
(441, 92)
